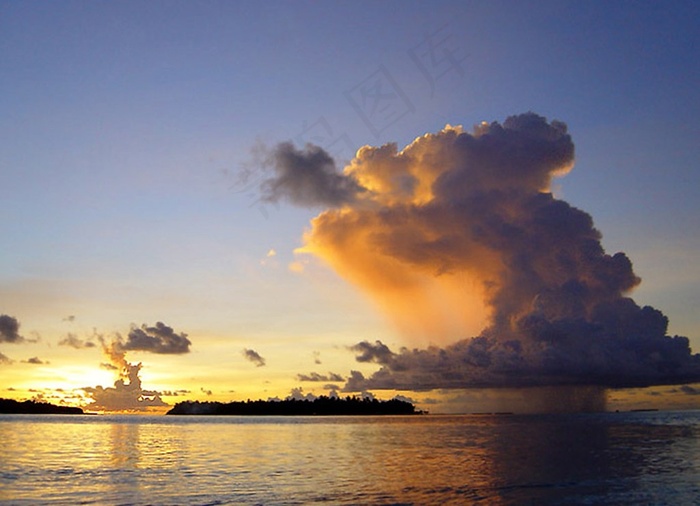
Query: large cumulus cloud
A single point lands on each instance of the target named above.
(459, 235)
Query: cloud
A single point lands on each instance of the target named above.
(355, 383)
(687, 389)
(35, 361)
(306, 177)
(126, 395)
(297, 394)
(254, 357)
(460, 242)
(175, 393)
(314, 376)
(377, 352)
(9, 330)
(73, 341)
(160, 339)
(4, 360)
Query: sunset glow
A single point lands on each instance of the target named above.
(471, 206)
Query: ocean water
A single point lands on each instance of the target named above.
(608, 458)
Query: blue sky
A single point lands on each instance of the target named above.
(127, 129)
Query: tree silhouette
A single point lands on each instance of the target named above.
(321, 406)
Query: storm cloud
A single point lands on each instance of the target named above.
(459, 235)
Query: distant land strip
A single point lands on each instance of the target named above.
(13, 407)
(321, 406)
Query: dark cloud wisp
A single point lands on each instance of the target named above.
(306, 177)
(254, 357)
(314, 376)
(73, 341)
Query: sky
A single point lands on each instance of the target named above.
(223, 201)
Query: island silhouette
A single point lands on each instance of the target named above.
(321, 406)
(11, 406)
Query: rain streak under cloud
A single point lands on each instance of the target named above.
(458, 235)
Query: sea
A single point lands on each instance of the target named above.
(559, 459)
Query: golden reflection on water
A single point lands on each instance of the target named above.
(134, 460)
(384, 460)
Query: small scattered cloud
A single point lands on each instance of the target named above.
(254, 357)
(687, 389)
(314, 376)
(206, 391)
(160, 339)
(73, 341)
(36, 337)
(403, 398)
(9, 330)
(174, 393)
(5, 360)
(296, 267)
(368, 352)
(270, 259)
(298, 394)
(69, 318)
(34, 361)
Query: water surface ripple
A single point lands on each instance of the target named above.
(610, 458)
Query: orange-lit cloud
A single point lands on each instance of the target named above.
(127, 393)
(416, 238)
(459, 235)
